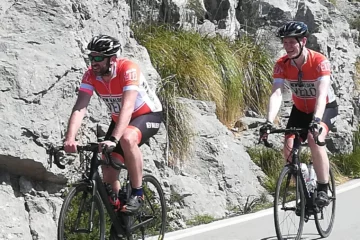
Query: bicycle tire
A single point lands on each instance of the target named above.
(286, 173)
(161, 205)
(83, 187)
(326, 233)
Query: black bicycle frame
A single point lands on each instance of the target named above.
(97, 185)
(296, 166)
(96, 182)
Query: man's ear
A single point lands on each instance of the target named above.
(304, 40)
(113, 59)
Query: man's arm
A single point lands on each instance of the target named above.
(275, 99)
(77, 115)
(322, 86)
(128, 105)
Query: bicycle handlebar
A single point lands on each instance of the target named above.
(91, 147)
(291, 130)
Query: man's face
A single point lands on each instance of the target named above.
(99, 63)
(292, 46)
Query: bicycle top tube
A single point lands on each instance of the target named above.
(90, 147)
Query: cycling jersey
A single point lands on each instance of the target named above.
(126, 76)
(315, 68)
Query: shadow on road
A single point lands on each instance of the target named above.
(303, 237)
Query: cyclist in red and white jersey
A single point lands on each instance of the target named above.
(136, 112)
(307, 74)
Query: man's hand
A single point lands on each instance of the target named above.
(266, 127)
(108, 145)
(70, 146)
(265, 130)
(315, 126)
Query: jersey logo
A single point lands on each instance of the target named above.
(277, 69)
(324, 67)
(130, 75)
(307, 90)
(113, 103)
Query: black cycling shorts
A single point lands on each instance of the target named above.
(300, 119)
(146, 125)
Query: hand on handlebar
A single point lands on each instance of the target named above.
(107, 145)
(265, 130)
(316, 129)
(70, 146)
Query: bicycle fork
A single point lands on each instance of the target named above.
(93, 185)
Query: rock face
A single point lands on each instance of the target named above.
(42, 61)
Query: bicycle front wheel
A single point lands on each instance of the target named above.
(324, 220)
(289, 205)
(75, 215)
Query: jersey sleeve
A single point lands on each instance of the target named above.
(86, 83)
(131, 76)
(278, 72)
(323, 68)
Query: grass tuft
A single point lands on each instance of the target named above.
(235, 75)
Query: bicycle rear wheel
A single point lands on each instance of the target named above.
(323, 226)
(289, 203)
(151, 218)
(74, 220)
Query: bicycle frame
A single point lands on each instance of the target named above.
(97, 185)
(297, 169)
(295, 152)
(95, 181)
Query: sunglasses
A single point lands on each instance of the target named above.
(96, 58)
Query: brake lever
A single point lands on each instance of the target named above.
(266, 142)
(316, 139)
(50, 152)
(54, 157)
(57, 161)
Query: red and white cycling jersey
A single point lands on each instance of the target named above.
(315, 68)
(127, 76)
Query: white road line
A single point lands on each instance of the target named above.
(235, 220)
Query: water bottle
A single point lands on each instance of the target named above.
(304, 171)
(312, 178)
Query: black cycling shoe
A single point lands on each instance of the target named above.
(322, 199)
(133, 205)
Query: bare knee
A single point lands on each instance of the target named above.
(128, 140)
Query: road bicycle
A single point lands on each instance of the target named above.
(82, 214)
(293, 195)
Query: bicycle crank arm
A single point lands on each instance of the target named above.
(137, 226)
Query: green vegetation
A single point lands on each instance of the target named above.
(349, 164)
(355, 23)
(235, 75)
(270, 161)
(200, 219)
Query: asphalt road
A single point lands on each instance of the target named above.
(260, 225)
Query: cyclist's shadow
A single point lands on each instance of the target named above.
(303, 237)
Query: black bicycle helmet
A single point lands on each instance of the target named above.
(104, 44)
(293, 29)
